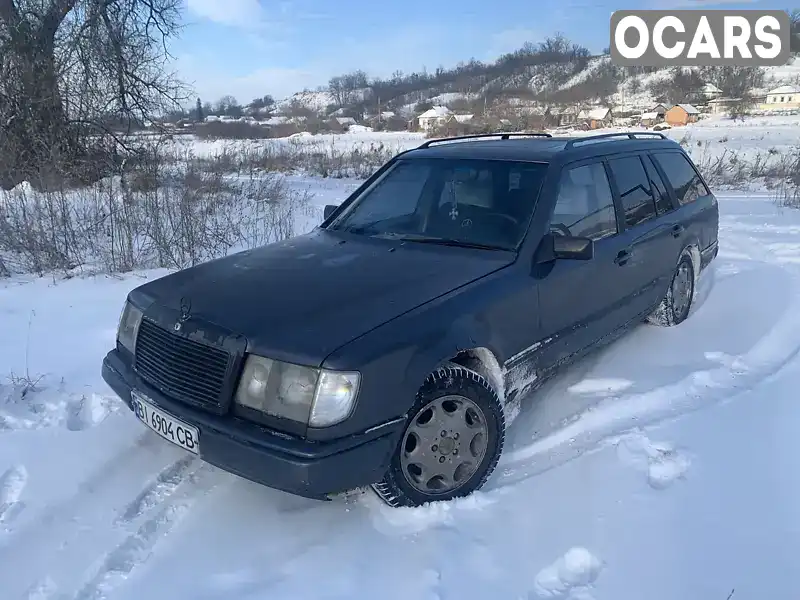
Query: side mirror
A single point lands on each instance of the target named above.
(564, 247)
(329, 208)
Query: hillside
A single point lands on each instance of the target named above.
(553, 72)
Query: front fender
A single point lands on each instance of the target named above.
(466, 333)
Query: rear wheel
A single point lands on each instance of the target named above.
(452, 440)
(677, 302)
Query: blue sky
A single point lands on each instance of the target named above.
(249, 48)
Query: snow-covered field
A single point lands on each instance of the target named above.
(767, 135)
(666, 467)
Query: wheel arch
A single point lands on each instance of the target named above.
(469, 343)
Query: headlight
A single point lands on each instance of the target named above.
(334, 399)
(316, 397)
(129, 322)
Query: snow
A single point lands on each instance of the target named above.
(663, 467)
(785, 89)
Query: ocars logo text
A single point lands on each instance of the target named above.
(660, 38)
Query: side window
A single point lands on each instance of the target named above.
(663, 203)
(634, 189)
(682, 177)
(585, 206)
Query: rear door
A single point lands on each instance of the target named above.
(697, 212)
(579, 301)
(649, 244)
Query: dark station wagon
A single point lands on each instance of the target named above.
(383, 348)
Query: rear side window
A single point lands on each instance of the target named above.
(682, 177)
(585, 206)
(634, 189)
(663, 203)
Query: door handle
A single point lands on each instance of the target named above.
(677, 230)
(622, 258)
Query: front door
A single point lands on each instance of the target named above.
(579, 301)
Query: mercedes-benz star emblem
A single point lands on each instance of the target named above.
(186, 308)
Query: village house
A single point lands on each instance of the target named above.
(596, 118)
(724, 106)
(649, 119)
(563, 116)
(681, 114)
(434, 117)
(660, 110)
(785, 97)
(710, 91)
(463, 118)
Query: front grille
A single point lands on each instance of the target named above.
(182, 369)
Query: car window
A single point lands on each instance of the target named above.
(681, 176)
(468, 185)
(634, 189)
(486, 202)
(584, 206)
(663, 203)
(397, 194)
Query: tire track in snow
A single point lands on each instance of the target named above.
(12, 484)
(615, 416)
(159, 490)
(170, 503)
(45, 526)
(46, 548)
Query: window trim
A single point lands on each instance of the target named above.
(648, 158)
(601, 160)
(618, 196)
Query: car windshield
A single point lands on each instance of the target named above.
(479, 203)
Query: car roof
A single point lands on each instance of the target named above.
(539, 149)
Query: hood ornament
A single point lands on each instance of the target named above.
(186, 309)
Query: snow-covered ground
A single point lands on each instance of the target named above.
(769, 136)
(665, 467)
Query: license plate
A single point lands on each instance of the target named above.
(171, 429)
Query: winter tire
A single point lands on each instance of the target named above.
(452, 441)
(677, 302)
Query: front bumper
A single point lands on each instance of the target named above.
(310, 469)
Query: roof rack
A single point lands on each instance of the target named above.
(629, 135)
(473, 136)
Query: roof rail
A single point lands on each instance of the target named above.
(631, 135)
(502, 136)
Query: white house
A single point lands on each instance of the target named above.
(433, 117)
(785, 97)
(710, 91)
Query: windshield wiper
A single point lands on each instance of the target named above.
(441, 241)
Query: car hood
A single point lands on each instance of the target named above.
(301, 299)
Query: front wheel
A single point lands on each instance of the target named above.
(452, 441)
(675, 307)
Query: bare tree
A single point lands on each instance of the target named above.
(67, 67)
(343, 88)
(735, 82)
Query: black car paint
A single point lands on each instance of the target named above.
(395, 310)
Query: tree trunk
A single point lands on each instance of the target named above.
(33, 129)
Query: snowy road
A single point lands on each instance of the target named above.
(665, 467)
